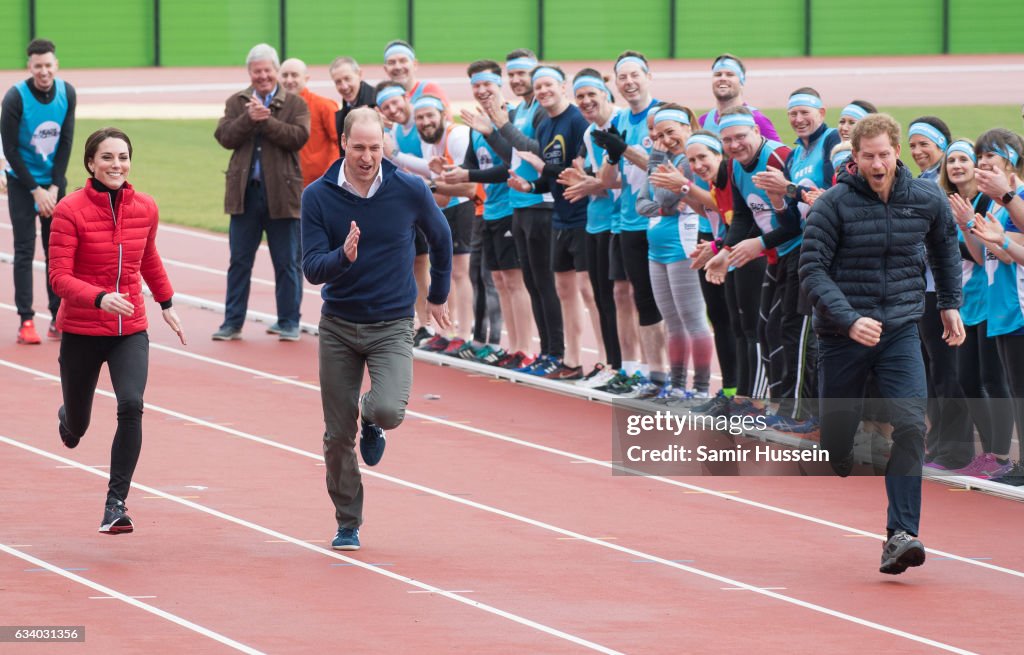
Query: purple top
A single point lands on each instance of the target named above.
(709, 121)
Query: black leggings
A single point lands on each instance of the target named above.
(127, 359)
(950, 438)
(726, 343)
(487, 319)
(1011, 352)
(634, 256)
(531, 229)
(604, 297)
(743, 299)
(984, 383)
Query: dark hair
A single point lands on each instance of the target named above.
(593, 72)
(632, 53)
(999, 138)
(385, 84)
(937, 123)
(738, 109)
(520, 52)
(92, 144)
(686, 110)
(40, 47)
(551, 66)
(806, 90)
(869, 107)
(944, 181)
(728, 55)
(397, 42)
(481, 65)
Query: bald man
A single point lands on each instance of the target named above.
(321, 150)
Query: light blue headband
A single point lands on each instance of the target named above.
(930, 133)
(399, 49)
(485, 76)
(428, 101)
(854, 111)
(521, 64)
(389, 92)
(731, 65)
(547, 71)
(672, 115)
(590, 80)
(839, 158)
(964, 147)
(705, 140)
(804, 100)
(734, 120)
(1008, 153)
(631, 60)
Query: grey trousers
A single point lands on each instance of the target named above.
(385, 349)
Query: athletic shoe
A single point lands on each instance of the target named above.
(115, 521)
(372, 443)
(567, 373)
(70, 440)
(454, 346)
(421, 335)
(490, 355)
(549, 365)
(717, 406)
(27, 334)
(787, 424)
(693, 394)
(514, 361)
(346, 539)
(539, 361)
(470, 354)
(986, 467)
(745, 407)
(616, 381)
(900, 552)
(52, 333)
(597, 378)
(642, 389)
(227, 334)
(288, 334)
(1014, 478)
(274, 329)
(844, 466)
(624, 384)
(434, 344)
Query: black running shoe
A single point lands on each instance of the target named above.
(421, 335)
(115, 521)
(69, 439)
(900, 552)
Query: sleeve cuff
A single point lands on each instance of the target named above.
(99, 299)
(167, 304)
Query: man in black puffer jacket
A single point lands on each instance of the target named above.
(862, 267)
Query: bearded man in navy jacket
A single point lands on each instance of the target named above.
(358, 227)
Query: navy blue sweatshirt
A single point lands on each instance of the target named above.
(379, 285)
(560, 138)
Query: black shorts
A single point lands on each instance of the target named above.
(569, 250)
(460, 221)
(421, 243)
(499, 245)
(616, 267)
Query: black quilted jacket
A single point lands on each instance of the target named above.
(863, 257)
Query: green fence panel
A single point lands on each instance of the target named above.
(208, 33)
(993, 26)
(117, 35)
(317, 31)
(465, 30)
(601, 29)
(13, 33)
(746, 28)
(876, 27)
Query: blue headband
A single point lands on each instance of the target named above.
(399, 49)
(521, 64)
(1007, 152)
(631, 60)
(854, 111)
(672, 115)
(730, 64)
(389, 92)
(734, 120)
(964, 147)
(589, 80)
(928, 132)
(705, 140)
(804, 100)
(547, 71)
(485, 76)
(839, 158)
(428, 101)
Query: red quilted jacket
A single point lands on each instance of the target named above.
(92, 251)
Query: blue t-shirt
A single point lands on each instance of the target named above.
(602, 210)
(496, 204)
(522, 119)
(672, 238)
(634, 128)
(561, 138)
(1005, 286)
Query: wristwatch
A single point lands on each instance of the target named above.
(1007, 197)
(792, 191)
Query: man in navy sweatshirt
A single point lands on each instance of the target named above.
(358, 227)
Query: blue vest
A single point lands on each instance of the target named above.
(672, 238)
(1005, 286)
(603, 210)
(757, 199)
(807, 166)
(523, 121)
(496, 205)
(711, 119)
(408, 139)
(711, 221)
(975, 283)
(634, 127)
(39, 132)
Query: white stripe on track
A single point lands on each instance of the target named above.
(113, 593)
(480, 506)
(307, 546)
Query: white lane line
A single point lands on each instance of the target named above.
(505, 514)
(601, 541)
(115, 597)
(423, 586)
(130, 600)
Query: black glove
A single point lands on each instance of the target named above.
(612, 141)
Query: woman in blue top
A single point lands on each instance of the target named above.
(980, 371)
(999, 151)
(672, 237)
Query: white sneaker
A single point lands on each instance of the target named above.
(600, 378)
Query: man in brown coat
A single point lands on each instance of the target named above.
(265, 127)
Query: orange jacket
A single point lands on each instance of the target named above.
(322, 148)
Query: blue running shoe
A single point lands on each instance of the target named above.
(346, 539)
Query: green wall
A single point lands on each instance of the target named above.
(119, 33)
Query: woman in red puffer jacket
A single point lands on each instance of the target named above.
(102, 245)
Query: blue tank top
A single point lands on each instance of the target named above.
(757, 199)
(711, 118)
(1005, 286)
(603, 210)
(40, 129)
(672, 238)
(408, 139)
(523, 121)
(496, 204)
(807, 166)
(975, 282)
(710, 221)
(634, 127)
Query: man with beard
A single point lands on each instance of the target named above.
(728, 77)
